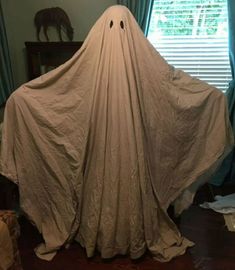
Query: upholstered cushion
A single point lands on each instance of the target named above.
(9, 218)
(6, 249)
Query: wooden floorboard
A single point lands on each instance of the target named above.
(214, 246)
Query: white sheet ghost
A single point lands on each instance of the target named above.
(102, 145)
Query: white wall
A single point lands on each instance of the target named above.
(19, 16)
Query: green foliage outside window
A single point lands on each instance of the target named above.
(189, 18)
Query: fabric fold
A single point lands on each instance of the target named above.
(102, 145)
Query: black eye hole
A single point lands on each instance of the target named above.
(111, 24)
(122, 24)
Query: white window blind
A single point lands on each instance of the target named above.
(193, 36)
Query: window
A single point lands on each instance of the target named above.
(193, 36)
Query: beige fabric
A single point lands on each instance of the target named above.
(6, 249)
(103, 144)
(230, 221)
(185, 199)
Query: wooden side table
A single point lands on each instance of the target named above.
(44, 56)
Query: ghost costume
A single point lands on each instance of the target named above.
(103, 144)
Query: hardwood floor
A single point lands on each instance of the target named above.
(214, 246)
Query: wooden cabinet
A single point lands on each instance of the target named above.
(44, 56)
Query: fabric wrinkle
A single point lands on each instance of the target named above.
(103, 144)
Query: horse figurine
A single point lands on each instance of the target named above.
(53, 17)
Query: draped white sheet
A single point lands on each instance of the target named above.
(103, 144)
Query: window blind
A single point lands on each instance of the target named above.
(193, 36)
